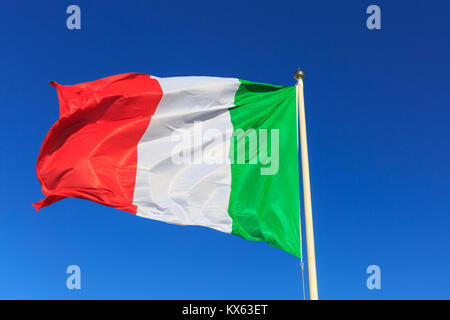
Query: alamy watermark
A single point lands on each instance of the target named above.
(73, 21)
(214, 146)
(74, 279)
(374, 280)
(373, 22)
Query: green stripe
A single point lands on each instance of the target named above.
(265, 207)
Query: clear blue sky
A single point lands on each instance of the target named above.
(378, 131)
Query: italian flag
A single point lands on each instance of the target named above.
(209, 151)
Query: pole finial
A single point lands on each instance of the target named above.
(299, 74)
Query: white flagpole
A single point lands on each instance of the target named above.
(309, 233)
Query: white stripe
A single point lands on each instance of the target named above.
(193, 193)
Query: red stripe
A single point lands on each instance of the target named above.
(91, 151)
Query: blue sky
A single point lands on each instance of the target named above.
(378, 133)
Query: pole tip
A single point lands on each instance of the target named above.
(299, 74)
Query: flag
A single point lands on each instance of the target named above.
(209, 151)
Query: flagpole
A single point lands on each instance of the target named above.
(309, 232)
